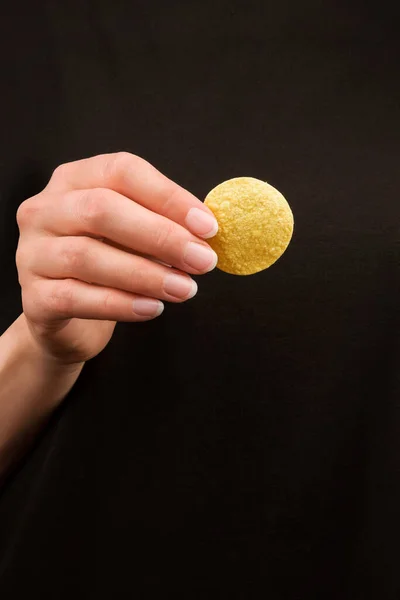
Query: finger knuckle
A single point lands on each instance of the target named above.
(37, 300)
(118, 164)
(108, 302)
(22, 278)
(28, 212)
(140, 278)
(91, 208)
(172, 197)
(23, 270)
(73, 254)
(59, 299)
(122, 158)
(30, 302)
(163, 235)
(60, 172)
(23, 256)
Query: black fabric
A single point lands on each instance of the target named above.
(246, 444)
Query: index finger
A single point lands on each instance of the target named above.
(138, 180)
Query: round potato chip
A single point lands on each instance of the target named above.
(255, 225)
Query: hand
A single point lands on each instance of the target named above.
(94, 249)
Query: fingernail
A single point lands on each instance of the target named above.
(200, 258)
(180, 286)
(147, 307)
(201, 223)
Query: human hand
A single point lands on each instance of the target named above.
(94, 248)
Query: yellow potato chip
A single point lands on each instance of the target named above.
(255, 225)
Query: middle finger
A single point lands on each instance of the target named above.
(106, 214)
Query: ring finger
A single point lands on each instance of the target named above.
(96, 262)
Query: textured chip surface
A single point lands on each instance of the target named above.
(255, 225)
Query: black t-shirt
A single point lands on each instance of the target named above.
(245, 444)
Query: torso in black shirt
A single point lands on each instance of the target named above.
(246, 444)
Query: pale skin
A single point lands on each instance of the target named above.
(109, 239)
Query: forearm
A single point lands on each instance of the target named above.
(31, 387)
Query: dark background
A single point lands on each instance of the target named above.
(245, 444)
